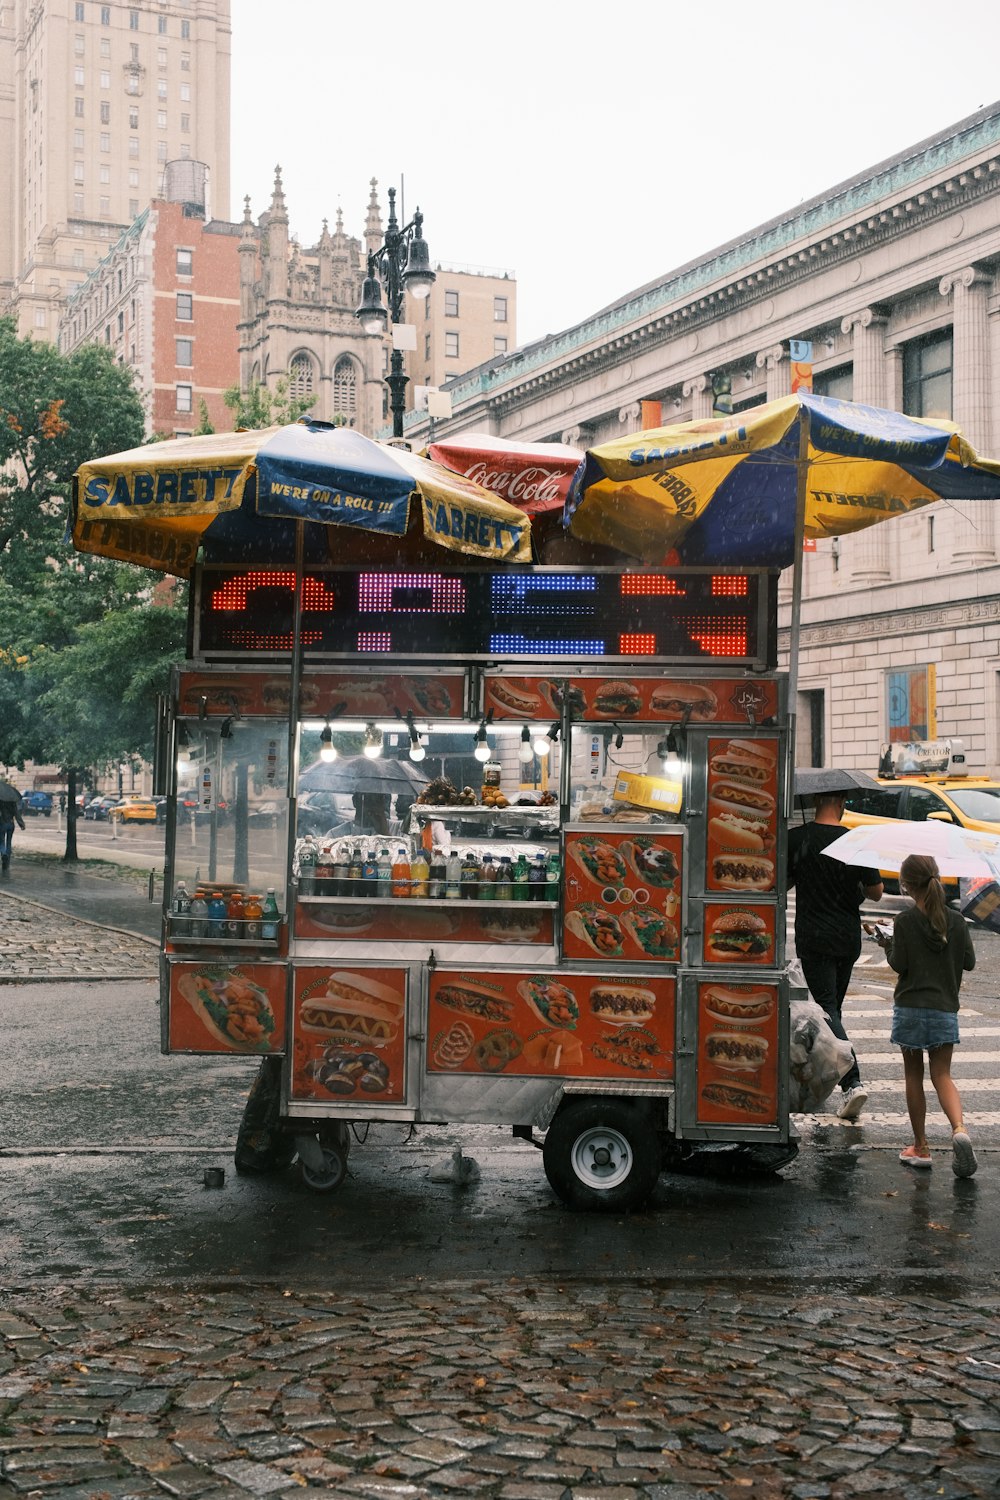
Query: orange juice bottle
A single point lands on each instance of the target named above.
(401, 874)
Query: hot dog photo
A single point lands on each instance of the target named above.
(737, 1053)
(350, 1033)
(742, 814)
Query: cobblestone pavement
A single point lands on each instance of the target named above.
(583, 1391)
(40, 942)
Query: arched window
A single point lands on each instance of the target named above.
(300, 375)
(345, 388)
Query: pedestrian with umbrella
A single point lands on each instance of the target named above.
(930, 949)
(828, 899)
(10, 812)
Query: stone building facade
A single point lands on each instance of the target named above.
(95, 100)
(893, 278)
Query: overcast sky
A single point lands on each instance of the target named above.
(588, 149)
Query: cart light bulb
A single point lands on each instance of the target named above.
(417, 751)
(542, 744)
(327, 749)
(482, 751)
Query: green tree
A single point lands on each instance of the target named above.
(261, 407)
(205, 425)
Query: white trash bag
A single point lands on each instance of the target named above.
(817, 1059)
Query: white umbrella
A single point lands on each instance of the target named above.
(884, 846)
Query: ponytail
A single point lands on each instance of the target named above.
(919, 873)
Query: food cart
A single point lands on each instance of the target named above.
(613, 719)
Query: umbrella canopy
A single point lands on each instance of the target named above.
(884, 846)
(359, 773)
(536, 477)
(813, 781)
(724, 491)
(154, 505)
(9, 793)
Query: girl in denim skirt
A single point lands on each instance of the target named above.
(930, 949)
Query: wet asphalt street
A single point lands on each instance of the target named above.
(831, 1330)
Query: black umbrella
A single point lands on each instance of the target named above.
(813, 781)
(9, 793)
(360, 773)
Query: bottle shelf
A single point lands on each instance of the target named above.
(307, 897)
(188, 941)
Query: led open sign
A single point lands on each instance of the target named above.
(535, 614)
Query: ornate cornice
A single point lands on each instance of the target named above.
(894, 622)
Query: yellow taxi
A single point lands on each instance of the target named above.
(939, 793)
(139, 811)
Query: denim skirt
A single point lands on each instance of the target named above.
(923, 1030)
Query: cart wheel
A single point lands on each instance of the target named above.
(333, 1173)
(602, 1154)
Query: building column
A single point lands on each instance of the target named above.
(869, 550)
(973, 542)
(775, 361)
(630, 416)
(698, 391)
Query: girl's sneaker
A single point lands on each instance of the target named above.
(963, 1160)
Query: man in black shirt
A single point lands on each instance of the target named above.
(828, 896)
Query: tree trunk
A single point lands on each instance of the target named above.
(71, 856)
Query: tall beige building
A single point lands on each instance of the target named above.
(95, 100)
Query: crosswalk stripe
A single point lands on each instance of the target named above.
(971, 1085)
(973, 1118)
(966, 1031)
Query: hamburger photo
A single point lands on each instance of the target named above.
(353, 1008)
(732, 1005)
(617, 700)
(672, 700)
(736, 1051)
(739, 935)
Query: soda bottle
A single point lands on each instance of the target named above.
(369, 874)
(401, 874)
(420, 874)
(469, 879)
(453, 876)
(326, 871)
(270, 917)
(487, 879)
(383, 875)
(216, 915)
(536, 879)
(505, 880)
(252, 917)
(354, 872)
(180, 911)
(234, 915)
(199, 915)
(438, 875)
(552, 878)
(520, 892)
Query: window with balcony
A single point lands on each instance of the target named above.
(185, 352)
(451, 304)
(927, 375)
(499, 309)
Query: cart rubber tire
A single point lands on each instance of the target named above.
(602, 1154)
(336, 1171)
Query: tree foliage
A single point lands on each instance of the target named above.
(85, 644)
(261, 407)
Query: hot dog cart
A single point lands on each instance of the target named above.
(621, 1000)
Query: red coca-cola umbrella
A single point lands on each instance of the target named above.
(536, 477)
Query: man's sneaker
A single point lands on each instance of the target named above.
(963, 1161)
(853, 1103)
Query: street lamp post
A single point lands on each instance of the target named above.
(403, 263)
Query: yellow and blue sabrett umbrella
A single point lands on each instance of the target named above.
(155, 505)
(731, 490)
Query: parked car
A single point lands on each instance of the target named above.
(264, 814)
(324, 812)
(161, 808)
(969, 801)
(36, 804)
(135, 810)
(189, 805)
(97, 809)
